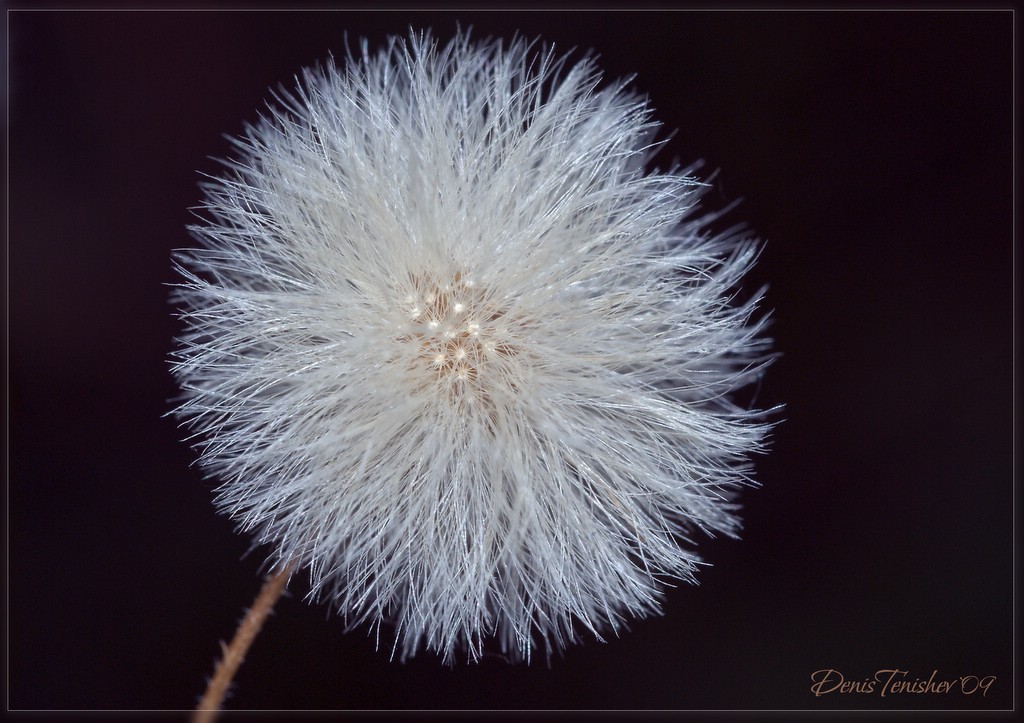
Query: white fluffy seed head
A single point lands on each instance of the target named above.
(451, 347)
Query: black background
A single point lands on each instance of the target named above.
(873, 151)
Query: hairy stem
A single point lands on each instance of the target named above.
(234, 654)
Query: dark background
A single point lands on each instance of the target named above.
(873, 151)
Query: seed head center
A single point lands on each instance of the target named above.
(456, 331)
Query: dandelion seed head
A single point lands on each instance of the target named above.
(453, 348)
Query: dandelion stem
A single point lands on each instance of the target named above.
(234, 654)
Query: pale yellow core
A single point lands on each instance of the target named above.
(456, 330)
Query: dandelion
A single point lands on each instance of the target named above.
(453, 349)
